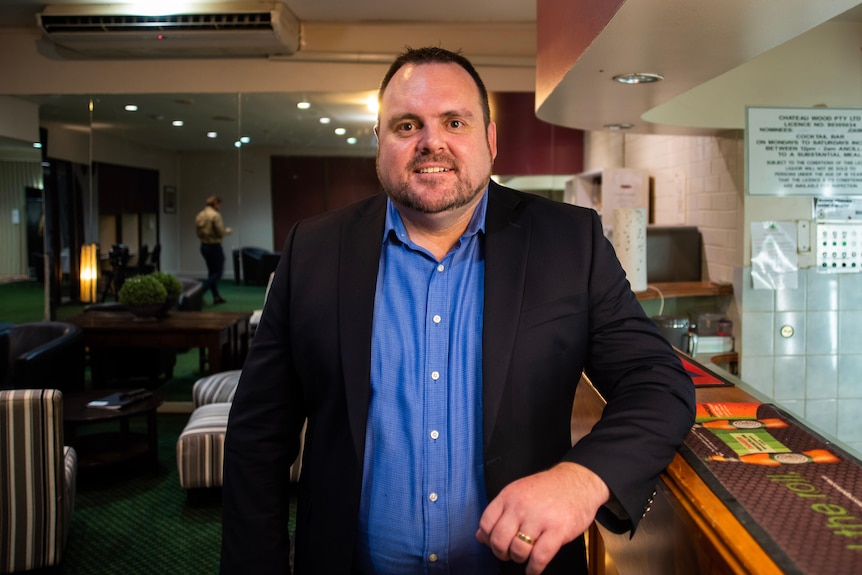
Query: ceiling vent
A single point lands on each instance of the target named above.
(224, 30)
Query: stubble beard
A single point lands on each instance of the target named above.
(457, 196)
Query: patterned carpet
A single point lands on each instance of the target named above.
(129, 520)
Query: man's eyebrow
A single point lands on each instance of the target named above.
(461, 113)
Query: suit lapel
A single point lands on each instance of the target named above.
(361, 240)
(506, 248)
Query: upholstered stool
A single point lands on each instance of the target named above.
(215, 388)
(200, 447)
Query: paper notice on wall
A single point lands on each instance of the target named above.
(774, 263)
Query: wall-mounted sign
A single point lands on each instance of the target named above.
(803, 151)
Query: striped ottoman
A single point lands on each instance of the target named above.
(200, 447)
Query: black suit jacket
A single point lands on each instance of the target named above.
(556, 304)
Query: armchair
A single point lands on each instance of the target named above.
(39, 355)
(257, 264)
(37, 480)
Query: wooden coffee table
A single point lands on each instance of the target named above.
(107, 446)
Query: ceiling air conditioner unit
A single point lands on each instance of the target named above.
(209, 30)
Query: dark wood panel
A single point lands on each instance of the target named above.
(306, 186)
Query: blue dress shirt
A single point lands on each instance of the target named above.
(423, 488)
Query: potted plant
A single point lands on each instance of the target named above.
(144, 295)
(172, 286)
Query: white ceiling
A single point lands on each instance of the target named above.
(717, 58)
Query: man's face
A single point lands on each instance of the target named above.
(434, 153)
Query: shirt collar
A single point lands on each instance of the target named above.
(394, 226)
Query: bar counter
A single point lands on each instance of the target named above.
(689, 529)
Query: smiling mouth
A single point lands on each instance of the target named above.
(432, 170)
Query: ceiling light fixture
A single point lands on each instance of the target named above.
(131, 108)
(616, 127)
(177, 123)
(212, 134)
(351, 141)
(340, 131)
(37, 145)
(303, 105)
(638, 78)
(245, 139)
(325, 120)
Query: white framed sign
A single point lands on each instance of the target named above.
(803, 151)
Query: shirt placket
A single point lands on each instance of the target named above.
(436, 418)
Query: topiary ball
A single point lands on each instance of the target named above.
(172, 285)
(142, 290)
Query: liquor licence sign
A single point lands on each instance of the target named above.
(803, 151)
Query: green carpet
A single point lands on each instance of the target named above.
(131, 520)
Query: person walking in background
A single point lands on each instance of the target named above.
(433, 338)
(210, 229)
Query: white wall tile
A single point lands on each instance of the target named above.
(850, 292)
(758, 373)
(822, 332)
(823, 414)
(821, 377)
(850, 376)
(789, 378)
(850, 332)
(822, 291)
(793, 323)
(850, 420)
(757, 335)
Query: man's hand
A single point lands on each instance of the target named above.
(533, 517)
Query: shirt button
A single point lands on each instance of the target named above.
(435, 434)
(436, 319)
(441, 267)
(432, 558)
(432, 497)
(435, 375)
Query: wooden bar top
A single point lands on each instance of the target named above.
(690, 530)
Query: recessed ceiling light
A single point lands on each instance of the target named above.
(303, 105)
(212, 134)
(638, 78)
(351, 140)
(340, 131)
(245, 139)
(325, 120)
(131, 108)
(37, 145)
(616, 127)
(177, 123)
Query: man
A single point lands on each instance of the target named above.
(433, 338)
(210, 229)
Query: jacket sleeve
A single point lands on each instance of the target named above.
(650, 397)
(262, 443)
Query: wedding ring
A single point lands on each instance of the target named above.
(524, 537)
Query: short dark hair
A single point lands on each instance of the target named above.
(435, 55)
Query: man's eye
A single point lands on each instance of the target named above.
(406, 127)
(455, 124)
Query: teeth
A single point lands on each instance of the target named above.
(432, 170)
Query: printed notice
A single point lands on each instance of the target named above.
(804, 151)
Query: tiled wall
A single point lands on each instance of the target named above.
(812, 367)
(816, 373)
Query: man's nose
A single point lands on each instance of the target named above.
(433, 138)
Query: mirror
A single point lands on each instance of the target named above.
(271, 158)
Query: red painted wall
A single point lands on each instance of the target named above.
(527, 146)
